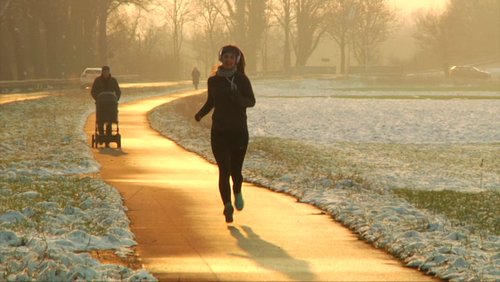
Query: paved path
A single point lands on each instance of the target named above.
(18, 97)
(176, 214)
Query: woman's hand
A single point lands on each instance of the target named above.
(197, 117)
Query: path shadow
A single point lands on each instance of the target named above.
(115, 152)
(271, 256)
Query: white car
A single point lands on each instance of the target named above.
(88, 76)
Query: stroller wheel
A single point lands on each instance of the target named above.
(93, 141)
(119, 142)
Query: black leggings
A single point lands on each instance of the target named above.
(229, 149)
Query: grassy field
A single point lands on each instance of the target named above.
(480, 210)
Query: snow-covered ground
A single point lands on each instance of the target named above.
(404, 141)
(321, 145)
(325, 119)
(52, 210)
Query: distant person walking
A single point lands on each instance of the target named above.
(229, 94)
(195, 75)
(105, 83)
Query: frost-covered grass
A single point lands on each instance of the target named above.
(83, 203)
(39, 136)
(355, 181)
(54, 211)
(480, 210)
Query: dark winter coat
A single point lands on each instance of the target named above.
(195, 74)
(102, 84)
(229, 105)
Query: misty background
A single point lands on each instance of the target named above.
(165, 39)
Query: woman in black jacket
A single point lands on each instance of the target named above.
(229, 94)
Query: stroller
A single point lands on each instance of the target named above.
(106, 116)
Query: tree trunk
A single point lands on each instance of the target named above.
(37, 42)
(287, 61)
(257, 24)
(239, 31)
(17, 28)
(88, 45)
(102, 44)
(310, 15)
(8, 67)
(176, 50)
(342, 56)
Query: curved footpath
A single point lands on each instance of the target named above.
(176, 215)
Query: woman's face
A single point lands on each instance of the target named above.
(228, 60)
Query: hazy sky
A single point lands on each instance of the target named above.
(409, 6)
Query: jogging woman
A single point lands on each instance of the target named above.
(229, 94)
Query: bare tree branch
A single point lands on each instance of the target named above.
(4, 8)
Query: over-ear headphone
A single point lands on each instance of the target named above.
(227, 48)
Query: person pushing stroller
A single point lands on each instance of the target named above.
(106, 93)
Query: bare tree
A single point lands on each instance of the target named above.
(373, 22)
(4, 4)
(341, 18)
(245, 20)
(58, 38)
(475, 29)
(139, 39)
(105, 8)
(433, 34)
(310, 27)
(465, 33)
(257, 24)
(282, 11)
(82, 36)
(9, 39)
(179, 12)
(125, 36)
(270, 28)
(46, 38)
(210, 32)
(51, 18)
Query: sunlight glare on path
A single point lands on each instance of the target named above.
(176, 216)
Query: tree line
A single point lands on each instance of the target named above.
(53, 38)
(164, 38)
(467, 32)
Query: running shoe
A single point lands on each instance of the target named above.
(228, 212)
(238, 201)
